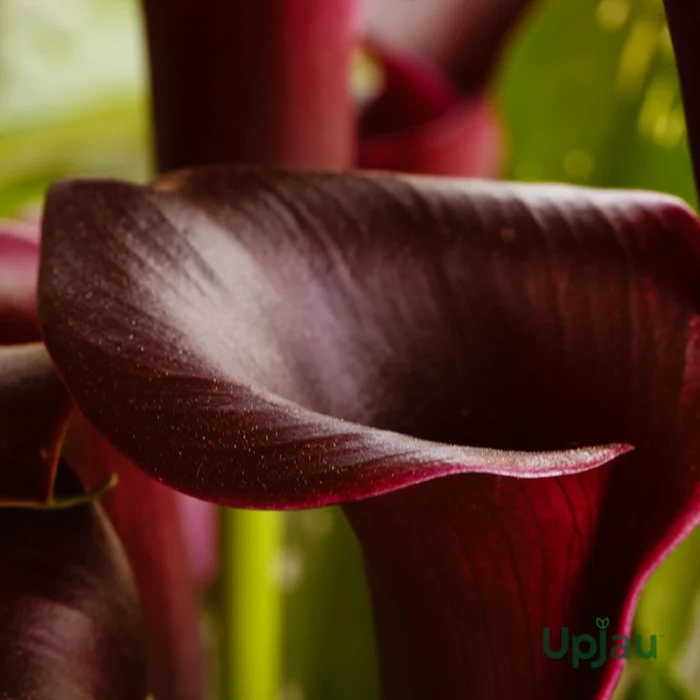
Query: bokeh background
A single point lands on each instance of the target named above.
(589, 94)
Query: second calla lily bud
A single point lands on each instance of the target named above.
(70, 620)
(70, 625)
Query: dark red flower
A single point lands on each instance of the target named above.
(295, 340)
(455, 361)
(70, 622)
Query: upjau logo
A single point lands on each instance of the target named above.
(596, 650)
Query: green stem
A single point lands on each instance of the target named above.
(251, 605)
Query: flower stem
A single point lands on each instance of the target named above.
(251, 605)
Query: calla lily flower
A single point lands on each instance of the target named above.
(497, 381)
(69, 614)
(284, 340)
(423, 119)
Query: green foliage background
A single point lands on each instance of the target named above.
(589, 93)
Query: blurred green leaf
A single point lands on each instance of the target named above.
(72, 94)
(109, 138)
(590, 96)
(650, 682)
(60, 56)
(329, 646)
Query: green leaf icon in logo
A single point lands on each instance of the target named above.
(602, 622)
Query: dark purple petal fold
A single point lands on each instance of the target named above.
(255, 340)
(286, 340)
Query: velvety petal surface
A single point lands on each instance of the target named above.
(70, 624)
(257, 82)
(255, 340)
(19, 266)
(421, 123)
(288, 340)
